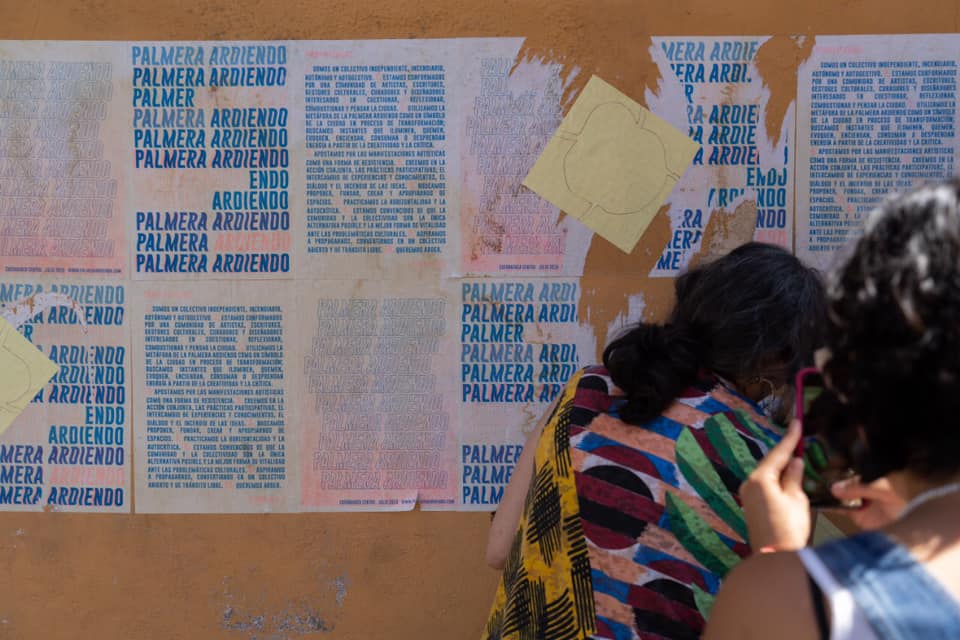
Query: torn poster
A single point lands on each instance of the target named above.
(235, 192)
(520, 340)
(69, 450)
(714, 89)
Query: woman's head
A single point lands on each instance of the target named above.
(757, 311)
(894, 334)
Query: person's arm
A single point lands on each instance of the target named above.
(776, 509)
(507, 517)
(751, 606)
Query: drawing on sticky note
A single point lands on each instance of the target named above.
(15, 379)
(23, 372)
(611, 164)
(620, 174)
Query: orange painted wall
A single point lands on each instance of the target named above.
(410, 576)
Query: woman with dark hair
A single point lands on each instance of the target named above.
(622, 515)
(892, 361)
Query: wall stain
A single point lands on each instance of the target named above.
(296, 620)
(340, 583)
(240, 624)
(257, 615)
(778, 61)
(726, 231)
(610, 276)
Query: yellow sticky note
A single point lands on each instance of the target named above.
(611, 164)
(23, 372)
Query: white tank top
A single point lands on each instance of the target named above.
(847, 621)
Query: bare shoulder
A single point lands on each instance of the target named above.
(763, 595)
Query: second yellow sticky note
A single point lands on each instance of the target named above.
(23, 372)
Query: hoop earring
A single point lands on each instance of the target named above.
(758, 379)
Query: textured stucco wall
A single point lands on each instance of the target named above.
(401, 576)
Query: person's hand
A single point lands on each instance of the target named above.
(776, 508)
(881, 504)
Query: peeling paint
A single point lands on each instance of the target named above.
(300, 623)
(340, 582)
(778, 62)
(296, 620)
(23, 311)
(239, 623)
(726, 231)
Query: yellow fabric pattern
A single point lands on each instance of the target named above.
(545, 591)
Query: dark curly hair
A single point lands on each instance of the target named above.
(894, 334)
(757, 311)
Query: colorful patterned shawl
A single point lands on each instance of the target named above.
(627, 531)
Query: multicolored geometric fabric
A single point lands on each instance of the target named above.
(628, 530)
(659, 506)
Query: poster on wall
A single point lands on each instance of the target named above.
(262, 206)
(212, 399)
(377, 385)
(714, 89)
(63, 123)
(328, 288)
(519, 341)
(378, 156)
(876, 114)
(69, 449)
(509, 110)
(209, 139)
(414, 155)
